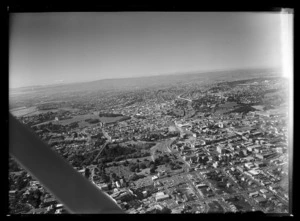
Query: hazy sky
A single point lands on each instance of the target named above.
(48, 48)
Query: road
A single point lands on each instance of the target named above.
(106, 135)
(184, 98)
(101, 149)
(108, 141)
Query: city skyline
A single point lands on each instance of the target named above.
(50, 48)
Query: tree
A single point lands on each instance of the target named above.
(132, 167)
(105, 178)
(13, 166)
(134, 177)
(22, 181)
(143, 166)
(114, 176)
(148, 163)
(165, 159)
(119, 158)
(34, 198)
(87, 172)
(152, 168)
(166, 210)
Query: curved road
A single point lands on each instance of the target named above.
(184, 98)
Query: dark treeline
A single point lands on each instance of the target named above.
(110, 115)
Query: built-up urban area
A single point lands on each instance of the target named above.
(213, 147)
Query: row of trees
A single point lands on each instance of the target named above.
(92, 121)
(136, 167)
(118, 153)
(161, 160)
(109, 115)
(109, 154)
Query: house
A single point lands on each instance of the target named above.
(263, 191)
(158, 183)
(274, 188)
(253, 194)
(252, 147)
(253, 172)
(240, 168)
(34, 183)
(249, 165)
(260, 164)
(154, 178)
(145, 193)
(215, 164)
(244, 152)
(260, 199)
(264, 155)
(121, 182)
(228, 185)
(103, 186)
(12, 192)
(59, 205)
(248, 174)
(82, 171)
(201, 185)
(193, 159)
(220, 149)
(249, 159)
(160, 196)
(267, 195)
(49, 201)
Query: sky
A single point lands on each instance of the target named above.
(49, 48)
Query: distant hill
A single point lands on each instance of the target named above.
(27, 96)
(143, 82)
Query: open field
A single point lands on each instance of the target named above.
(110, 119)
(30, 111)
(80, 119)
(18, 112)
(163, 146)
(119, 170)
(223, 108)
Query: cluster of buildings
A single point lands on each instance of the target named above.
(234, 153)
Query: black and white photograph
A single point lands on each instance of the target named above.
(151, 112)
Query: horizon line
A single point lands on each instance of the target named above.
(147, 76)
